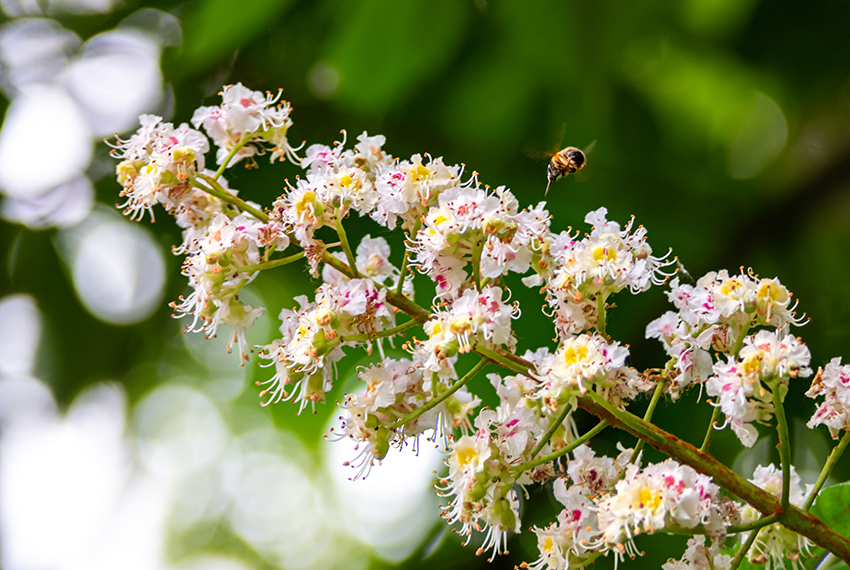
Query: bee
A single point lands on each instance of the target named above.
(566, 161)
(561, 163)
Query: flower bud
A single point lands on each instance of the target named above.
(127, 170)
(323, 344)
(315, 391)
(381, 446)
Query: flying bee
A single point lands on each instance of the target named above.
(566, 161)
(561, 163)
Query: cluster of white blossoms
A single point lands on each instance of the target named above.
(473, 226)
(573, 540)
(218, 266)
(660, 495)
(399, 389)
(310, 345)
(610, 502)
(245, 123)
(156, 163)
(582, 273)
(161, 164)
(474, 318)
(713, 315)
(587, 361)
(481, 480)
(472, 242)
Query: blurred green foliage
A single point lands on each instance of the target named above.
(723, 126)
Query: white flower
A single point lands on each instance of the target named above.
(482, 491)
(768, 360)
(469, 224)
(834, 384)
(246, 115)
(158, 158)
(563, 544)
(596, 474)
(405, 189)
(579, 363)
(699, 557)
(605, 261)
(474, 318)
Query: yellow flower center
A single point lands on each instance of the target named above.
(650, 499)
(752, 364)
(308, 198)
(419, 172)
(465, 456)
(604, 254)
(730, 287)
(770, 292)
(571, 355)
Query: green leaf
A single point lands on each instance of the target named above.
(215, 28)
(833, 508)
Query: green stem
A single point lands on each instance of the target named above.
(385, 333)
(740, 341)
(403, 273)
(551, 431)
(232, 153)
(753, 525)
(273, 263)
(600, 314)
(744, 549)
(784, 443)
(734, 529)
(504, 360)
(647, 417)
(561, 452)
(439, 399)
(346, 247)
(715, 415)
(833, 458)
(215, 189)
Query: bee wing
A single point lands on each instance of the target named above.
(586, 174)
(562, 132)
(537, 154)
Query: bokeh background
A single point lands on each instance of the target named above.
(723, 126)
